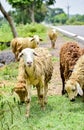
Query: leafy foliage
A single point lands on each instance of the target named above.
(56, 15)
(30, 7)
(23, 31)
(76, 20)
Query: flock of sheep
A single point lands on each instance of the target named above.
(36, 68)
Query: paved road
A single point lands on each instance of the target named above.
(79, 30)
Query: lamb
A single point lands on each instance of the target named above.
(69, 54)
(36, 69)
(75, 84)
(53, 37)
(19, 43)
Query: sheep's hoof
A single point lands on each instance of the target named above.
(72, 100)
(27, 115)
(63, 92)
(43, 108)
(83, 100)
(45, 102)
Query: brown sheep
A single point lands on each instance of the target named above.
(20, 43)
(53, 37)
(69, 54)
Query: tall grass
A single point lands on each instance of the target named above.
(5, 33)
(60, 114)
(22, 30)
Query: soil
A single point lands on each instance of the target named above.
(55, 85)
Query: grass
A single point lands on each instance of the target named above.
(22, 30)
(60, 113)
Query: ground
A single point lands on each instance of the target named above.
(55, 85)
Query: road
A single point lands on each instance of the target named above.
(79, 30)
(74, 31)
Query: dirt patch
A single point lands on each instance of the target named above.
(55, 85)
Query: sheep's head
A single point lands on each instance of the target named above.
(36, 39)
(73, 89)
(28, 56)
(21, 91)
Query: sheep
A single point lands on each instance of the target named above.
(69, 54)
(19, 43)
(75, 84)
(53, 37)
(36, 69)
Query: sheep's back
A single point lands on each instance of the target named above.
(52, 35)
(44, 60)
(69, 54)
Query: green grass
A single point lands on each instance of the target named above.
(60, 114)
(9, 72)
(22, 30)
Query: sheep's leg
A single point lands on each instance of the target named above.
(63, 80)
(41, 97)
(38, 92)
(53, 44)
(63, 89)
(41, 93)
(45, 93)
(28, 99)
(83, 95)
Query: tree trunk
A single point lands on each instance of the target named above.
(32, 13)
(9, 19)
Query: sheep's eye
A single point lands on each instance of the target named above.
(73, 90)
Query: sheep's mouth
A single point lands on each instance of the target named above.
(29, 65)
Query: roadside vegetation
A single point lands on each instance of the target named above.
(23, 31)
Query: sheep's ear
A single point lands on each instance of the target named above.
(40, 39)
(79, 90)
(70, 70)
(32, 39)
(35, 53)
(20, 55)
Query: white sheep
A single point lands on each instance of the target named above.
(53, 37)
(20, 43)
(36, 68)
(75, 84)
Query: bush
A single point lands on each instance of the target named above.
(3, 46)
(23, 31)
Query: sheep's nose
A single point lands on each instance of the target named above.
(29, 63)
